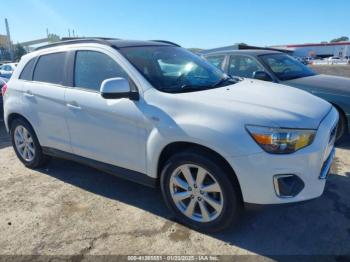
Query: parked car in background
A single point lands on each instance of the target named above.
(308, 60)
(157, 114)
(3, 82)
(334, 58)
(6, 70)
(301, 60)
(347, 59)
(337, 60)
(281, 68)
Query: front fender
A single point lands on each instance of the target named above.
(219, 142)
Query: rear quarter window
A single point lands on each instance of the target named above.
(27, 71)
(50, 68)
(217, 60)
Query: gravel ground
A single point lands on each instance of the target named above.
(70, 209)
(338, 70)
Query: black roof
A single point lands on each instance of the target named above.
(113, 42)
(134, 43)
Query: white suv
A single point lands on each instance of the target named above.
(157, 114)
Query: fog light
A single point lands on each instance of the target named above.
(287, 185)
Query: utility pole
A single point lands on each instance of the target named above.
(9, 43)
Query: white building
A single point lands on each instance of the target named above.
(339, 49)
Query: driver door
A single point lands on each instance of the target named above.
(105, 130)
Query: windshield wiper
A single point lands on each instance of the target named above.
(185, 88)
(188, 88)
(226, 79)
(193, 87)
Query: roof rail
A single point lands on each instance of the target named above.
(166, 42)
(102, 41)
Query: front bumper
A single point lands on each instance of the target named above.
(256, 172)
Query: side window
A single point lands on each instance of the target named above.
(27, 71)
(279, 66)
(50, 68)
(243, 66)
(92, 68)
(216, 60)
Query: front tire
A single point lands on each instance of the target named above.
(341, 129)
(199, 192)
(26, 144)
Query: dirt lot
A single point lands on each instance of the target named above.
(70, 209)
(338, 70)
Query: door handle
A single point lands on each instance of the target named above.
(73, 105)
(28, 94)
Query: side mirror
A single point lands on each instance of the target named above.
(262, 75)
(115, 88)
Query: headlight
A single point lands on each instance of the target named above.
(281, 140)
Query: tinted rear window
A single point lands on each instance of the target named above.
(27, 72)
(50, 68)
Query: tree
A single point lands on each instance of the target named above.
(53, 38)
(340, 39)
(18, 51)
(195, 50)
(4, 53)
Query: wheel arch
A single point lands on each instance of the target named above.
(341, 111)
(13, 116)
(175, 147)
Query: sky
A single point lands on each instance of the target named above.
(191, 23)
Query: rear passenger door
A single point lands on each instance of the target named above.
(44, 83)
(106, 130)
(217, 60)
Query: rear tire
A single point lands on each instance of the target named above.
(203, 208)
(26, 144)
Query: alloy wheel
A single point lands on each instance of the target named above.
(196, 193)
(24, 143)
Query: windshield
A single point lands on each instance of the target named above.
(174, 69)
(286, 67)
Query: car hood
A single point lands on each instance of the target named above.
(280, 105)
(322, 83)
